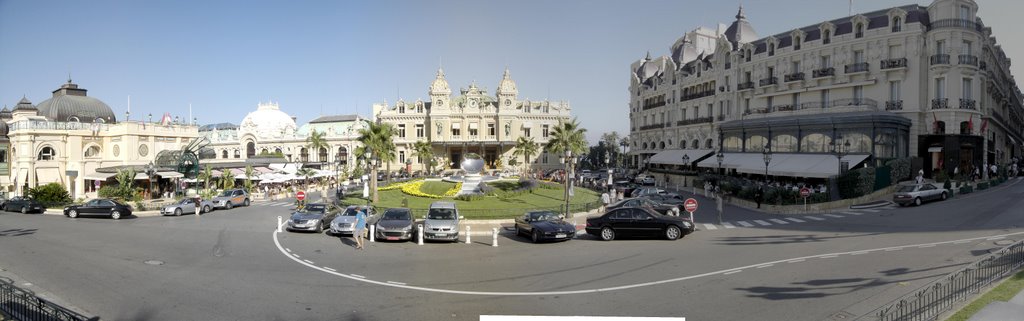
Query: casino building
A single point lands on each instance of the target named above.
(929, 82)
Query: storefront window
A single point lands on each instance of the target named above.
(732, 144)
(784, 143)
(755, 143)
(815, 143)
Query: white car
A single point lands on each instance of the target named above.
(186, 206)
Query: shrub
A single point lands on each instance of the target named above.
(856, 183)
(487, 189)
(966, 189)
(900, 169)
(469, 197)
(982, 185)
(50, 195)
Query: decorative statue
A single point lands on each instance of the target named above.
(508, 128)
(438, 126)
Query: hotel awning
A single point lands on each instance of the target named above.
(456, 125)
(22, 177)
(785, 164)
(96, 176)
(170, 174)
(141, 176)
(935, 149)
(675, 156)
(472, 125)
(528, 124)
(47, 175)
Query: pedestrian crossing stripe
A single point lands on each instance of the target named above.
(710, 226)
(745, 224)
(833, 215)
(762, 222)
(795, 220)
(778, 221)
(727, 225)
(814, 218)
(851, 213)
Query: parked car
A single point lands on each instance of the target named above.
(637, 222)
(442, 222)
(667, 198)
(396, 224)
(544, 226)
(187, 206)
(644, 179)
(919, 193)
(23, 204)
(231, 198)
(314, 217)
(625, 187)
(662, 208)
(648, 191)
(100, 206)
(345, 221)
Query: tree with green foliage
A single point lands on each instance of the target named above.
(424, 151)
(306, 173)
(250, 173)
(227, 181)
(317, 141)
(125, 183)
(526, 147)
(50, 195)
(205, 176)
(378, 137)
(567, 136)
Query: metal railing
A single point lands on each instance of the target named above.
(967, 60)
(894, 105)
(824, 72)
(940, 59)
(794, 77)
(857, 67)
(22, 304)
(955, 23)
(745, 85)
(497, 213)
(968, 104)
(692, 121)
(652, 126)
(894, 63)
(768, 81)
(940, 103)
(931, 300)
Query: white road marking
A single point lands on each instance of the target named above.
(329, 269)
(961, 242)
(893, 249)
(396, 283)
(814, 218)
(287, 249)
(833, 215)
(870, 210)
(859, 253)
(277, 242)
(778, 221)
(710, 226)
(764, 266)
(926, 245)
(732, 272)
(308, 261)
(995, 238)
(745, 224)
(851, 213)
(795, 220)
(829, 256)
(727, 225)
(296, 255)
(762, 222)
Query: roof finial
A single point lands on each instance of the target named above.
(648, 55)
(506, 75)
(740, 15)
(69, 77)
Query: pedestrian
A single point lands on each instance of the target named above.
(707, 188)
(622, 195)
(605, 200)
(360, 228)
(920, 179)
(199, 205)
(758, 195)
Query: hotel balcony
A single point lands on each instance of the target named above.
(956, 23)
(940, 59)
(894, 105)
(794, 77)
(968, 104)
(968, 60)
(940, 103)
(692, 121)
(768, 81)
(745, 85)
(823, 72)
(894, 63)
(652, 126)
(857, 67)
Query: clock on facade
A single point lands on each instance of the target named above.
(508, 102)
(439, 103)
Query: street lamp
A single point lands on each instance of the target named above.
(721, 157)
(767, 160)
(568, 160)
(686, 161)
(150, 117)
(841, 150)
(368, 156)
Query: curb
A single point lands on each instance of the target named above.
(871, 205)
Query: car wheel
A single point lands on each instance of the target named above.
(228, 205)
(246, 202)
(607, 234)
(518, 231)
(115, 215)
(24, 210)
(72, 213)
(917, 201)
(672, 233)
(177, 212)
(206, 209)
(319, 229)
(944, 196)
(536, 236)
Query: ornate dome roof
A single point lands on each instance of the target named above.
(70, 103)
(268, 122)
(24, 104)
(740, 31)
(5, 115)
(648, 69)
(507, 85)
(440, 85)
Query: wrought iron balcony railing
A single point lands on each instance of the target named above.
(968, 104)
(745, 85)
(823, 72)
(968, 60)
(940, 59)
(768, 81)
(894, 63)
(894, 105)
(857, 67)
(795, 77)
(940, 103)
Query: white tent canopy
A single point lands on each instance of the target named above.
(785, 164)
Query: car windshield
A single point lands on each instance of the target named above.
(318, 208)
(907, 188)
(351, 211)
(441, 214)
(226, 193)
(543, 216)
(186, 201)
(396, 215)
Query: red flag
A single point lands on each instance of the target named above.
(935, 124)
(970, 125)
(984, 124)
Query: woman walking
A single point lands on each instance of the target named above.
(360, 228)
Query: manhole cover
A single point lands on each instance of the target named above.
(1004, 242)
(154, 262)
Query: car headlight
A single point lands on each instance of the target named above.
(313, 221)
(407, 228)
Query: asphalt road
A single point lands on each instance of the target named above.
(231, 265)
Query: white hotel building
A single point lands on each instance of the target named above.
(928, 82)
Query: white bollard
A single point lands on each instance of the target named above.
(279, 223)
(467, 235)
(373, 233)
(494, 234)
(420, 229)
(575, 223)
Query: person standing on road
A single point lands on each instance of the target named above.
(605, 199)
(758, 195)
(360, 229)
(199, 205)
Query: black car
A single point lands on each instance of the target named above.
(673, 199)
(648, 191)
(626, 188)
(544, 225)
(314, 217)
(100, 206)
(638, 221)
(396, 224)
(663, 208)
(23, 204)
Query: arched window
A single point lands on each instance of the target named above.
(224, 154)
(815, 143)
(92, 151)
(342, 156)
(264, 151)
(73, 119)
(304, 155)
(771, 49)
(250, 150)
(645, 145)
(709, 144)
(796, 43)
(695, 144)
(748, 55)
(859, 31)
(277, 151)
(322, 156)
(47, 153)
(238, 154)
(661, 145)
(965, 128)
(827, 37)
(897, 24)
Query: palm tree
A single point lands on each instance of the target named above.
(316, 142)
(425, 152)
(125, 179)
(249, 174)
(611, 142)
(526, 147)
(206, 175)
(378, 137)
(306, 174)
(568, 136)
(624, 142)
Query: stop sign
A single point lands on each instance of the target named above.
(690, 205)
(805, 192)
(300, 195)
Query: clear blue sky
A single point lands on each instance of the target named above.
(335, 57)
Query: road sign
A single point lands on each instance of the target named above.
(300, 195)
(690, 205)
(805, 192)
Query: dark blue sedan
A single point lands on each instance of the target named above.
(544, 226)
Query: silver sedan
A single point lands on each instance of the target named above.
(187, 206)
(918, 193)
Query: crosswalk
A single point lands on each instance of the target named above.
(794, 220)
(275, 204)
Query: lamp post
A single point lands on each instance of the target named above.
(150, 117)
(686, 161)
(368, 156)
(720, 157)
(767, 160)
(568, 160)
(624, 145)
(840, 150)
(126, 114)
